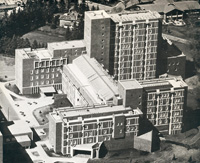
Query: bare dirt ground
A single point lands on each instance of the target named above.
(7, 68)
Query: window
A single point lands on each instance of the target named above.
(47, 82)
(42, 82)
(47, 63)
(36, 77)
(52, 69)
(70, 136)
(31, 72)
(120, 131)
(86, 126)
(42, 76)
(36, 71)
(58, 69)
(52, 81)
(57, 74)
(42, 70)
(105, 132)
(36, 83)
(52, 75)
(31, 84)
(47, 70)
(102, 34)
(31, 78)
(47, 76)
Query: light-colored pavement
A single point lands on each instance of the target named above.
(23, 107)
(45, 158)
(174, 38)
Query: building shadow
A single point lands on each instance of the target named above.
(189, 69)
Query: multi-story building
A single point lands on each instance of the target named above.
(41, 67)
(171, 59)
(162, 101)
(86, 83)
(79, 129)
(126, 43)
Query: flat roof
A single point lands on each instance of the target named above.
(66, 44)
(130, 84)
(49, 89)
(134, 16)
(22, 138)
(40, 53)
(99, 110)
(99, 14)
(19, 127)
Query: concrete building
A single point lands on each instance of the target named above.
(126, 43)
(86, 83)
(74, 130)
(162, 101)
(17, 132)
(39, 68)
(171, 10)
(171, 59)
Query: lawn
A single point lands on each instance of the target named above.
(41, 114)
(43, 37)
(7, 68)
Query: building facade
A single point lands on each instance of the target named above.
(80, 127)
(126, 43)
(162, 101)
(41, 67)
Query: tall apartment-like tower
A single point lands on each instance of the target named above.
(132, 42)
(162, 101)
(97, 36)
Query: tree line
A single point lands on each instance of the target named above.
(34, 14)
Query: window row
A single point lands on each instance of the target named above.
(50, 63)
(44, 70)
(47, 76)
(37, 83)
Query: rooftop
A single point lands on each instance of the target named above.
(166, 6)
(134, 16)
(97, 77)
(92, 111)
(99, 14)
(19, 127)
(66, 44)
(35, 53)
(130, 84)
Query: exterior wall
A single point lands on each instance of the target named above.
(176, 65)
(91, 130)
(142, 144)
(97, 38)
(165, 110)
(55, 132)
(78, 97)
(34, 73)
(136, 50)
(18, 69)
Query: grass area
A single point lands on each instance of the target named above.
(43, 37)
(181, 32)
(41, 114)
(7, 68)
(59, 30)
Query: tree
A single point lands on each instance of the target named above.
(93, 8)
(34, 44)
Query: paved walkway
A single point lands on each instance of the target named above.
(43, 157)
(174, 38)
